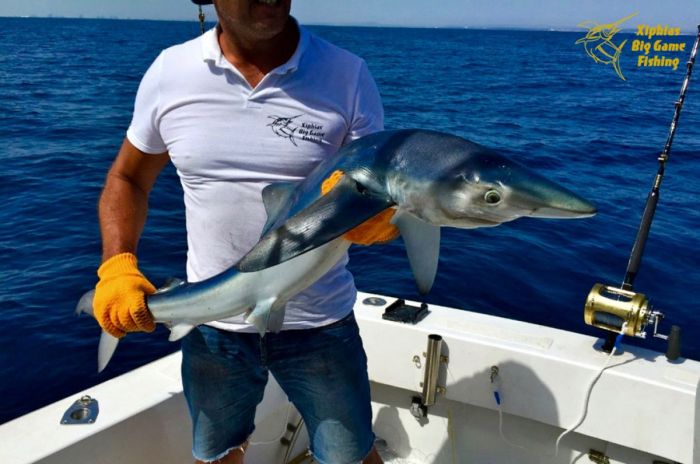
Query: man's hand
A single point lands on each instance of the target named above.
(120, 297)
(378, 229)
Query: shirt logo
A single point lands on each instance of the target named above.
(294, 129)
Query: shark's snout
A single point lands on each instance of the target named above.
(581, 209)
(547, 199)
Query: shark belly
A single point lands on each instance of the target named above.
(242, 292)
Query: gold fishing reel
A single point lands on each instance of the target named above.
(612, 308)
(609, 308)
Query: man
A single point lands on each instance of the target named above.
(254, 101)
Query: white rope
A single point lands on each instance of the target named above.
(582, 417)
(589, 391)
(500, 431)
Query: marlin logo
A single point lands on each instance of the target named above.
(431, 179)
(283, 127)
(599, 45)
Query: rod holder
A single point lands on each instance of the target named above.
(433, 359)
(432, 369)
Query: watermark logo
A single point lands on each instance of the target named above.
(599, 44)
(645, 47)
(649, 44)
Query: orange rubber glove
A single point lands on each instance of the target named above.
(120, 297)
(377, 229)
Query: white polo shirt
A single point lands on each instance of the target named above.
(229, 140)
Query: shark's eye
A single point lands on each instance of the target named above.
(492, 197)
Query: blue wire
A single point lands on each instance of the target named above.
(618, 339)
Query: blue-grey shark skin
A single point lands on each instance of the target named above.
(432, 179)
(440, 179)
(261, 295)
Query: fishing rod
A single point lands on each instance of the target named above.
(610, 308)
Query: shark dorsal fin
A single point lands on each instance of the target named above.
(422, 241)
(170, 284)
(276, 200)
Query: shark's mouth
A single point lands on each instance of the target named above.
(479, 222)
(468, 222)
(268, 2)
(463, 221)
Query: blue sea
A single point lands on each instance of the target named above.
(67, 89)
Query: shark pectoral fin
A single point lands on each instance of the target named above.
(180, 330)
(422, 242)
(276, 198)
(346, 206)
(267, 316)
(105, 350)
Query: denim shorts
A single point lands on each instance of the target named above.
(322, 370)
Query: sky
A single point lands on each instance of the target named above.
(531, 14)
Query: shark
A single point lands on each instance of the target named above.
(430, 179)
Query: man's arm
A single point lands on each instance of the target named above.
(119, 303)
(368, 117)
(124, 201)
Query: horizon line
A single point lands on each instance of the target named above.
(367, 24)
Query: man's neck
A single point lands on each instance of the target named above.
(256, 58)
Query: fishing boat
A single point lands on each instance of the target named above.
(448, 385)
(453, 387)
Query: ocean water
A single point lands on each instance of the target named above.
(66, 99)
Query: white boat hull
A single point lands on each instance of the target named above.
(642, 409)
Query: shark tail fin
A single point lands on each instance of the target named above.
(105, 350)
(108, 343)
(84, 305)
